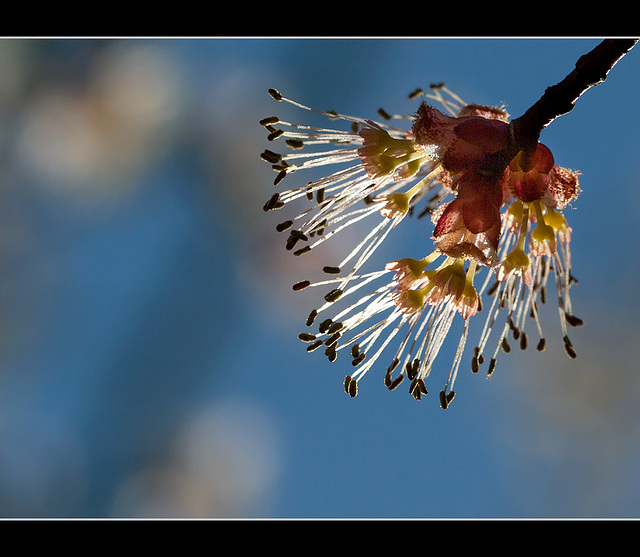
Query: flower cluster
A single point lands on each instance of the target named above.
(488, 213)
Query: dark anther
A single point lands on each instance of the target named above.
(330, 352)
(350, 386)
(291, 242)
(358, 359)
(412, 368)
(275, 94)
(312, 317)
(505, 346)
(492, 366)
(279, 177)
(333, 339)
(353, 388)
(294, 237)
(300, 285)
(294, 143)
(269, 121)
(314, 346)
(272, 202)
(394, 384)
(573, 320)
(568, 347)
(300, 251)
(418, 388)
(331, 270)
(446, 398)
(275, 135)
(333, 295)
(270, 156)
(284, 225)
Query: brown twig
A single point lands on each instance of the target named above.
(591, 69)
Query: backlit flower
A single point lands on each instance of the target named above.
(487, 214)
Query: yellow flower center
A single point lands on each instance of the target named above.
(517, 259)
(397, 204)
(384, 154)
(543, 237)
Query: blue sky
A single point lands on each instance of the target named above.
(150, 363)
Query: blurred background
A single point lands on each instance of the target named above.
(149, 365)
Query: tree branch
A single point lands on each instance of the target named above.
(591, 69)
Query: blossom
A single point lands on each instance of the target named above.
(488, 214)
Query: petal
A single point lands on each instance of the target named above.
(490, 135)
(540, 160)
(450, 219)
(528, 175)
(475, 139)
(479, 215)
(432, 127)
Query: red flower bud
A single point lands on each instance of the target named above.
(464, 141)
(470, 225)
(528, 174)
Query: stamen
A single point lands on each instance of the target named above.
(418, 388)
(395, 383)
(270, 156)
(301, 285)
(275, 135)
(446, 399)
(357, 360)
(275, 94)
(568, 347)
(317, 344)
(350, 386)
(573, 320)
(334, 295)
(312, 317)
(386, 172)
(331, 270)
(453, 107)
(295, 143)
(273, 203)
(284, 225)
(456, 362)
